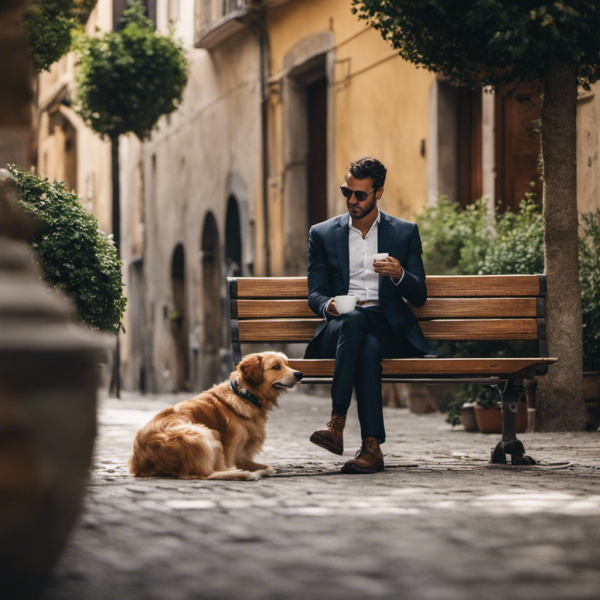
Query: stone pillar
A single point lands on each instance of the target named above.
(16, 75)
(49, 375)
(48, 365)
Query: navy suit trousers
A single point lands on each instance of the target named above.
(358, 340)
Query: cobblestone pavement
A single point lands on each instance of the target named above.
(439, 523)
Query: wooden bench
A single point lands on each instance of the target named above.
(458, 308)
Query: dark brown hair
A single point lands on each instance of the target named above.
(367, 166)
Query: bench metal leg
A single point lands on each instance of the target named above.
(510, 444)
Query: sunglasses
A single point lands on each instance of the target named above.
(360, 196)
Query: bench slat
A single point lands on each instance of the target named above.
(432, 366)
(481, 286)
(272, 287)
(438, 286)
(302, 330)
(434, 308)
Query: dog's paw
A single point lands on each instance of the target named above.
(254, 475)
(269, 471)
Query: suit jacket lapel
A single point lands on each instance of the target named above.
(385, 239)
(341, 243)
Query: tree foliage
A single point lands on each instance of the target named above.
(76, 257)
(49, 27)
(490, 42)
(130, 78)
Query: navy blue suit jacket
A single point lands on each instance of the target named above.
(329, 273)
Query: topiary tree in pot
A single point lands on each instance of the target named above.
(128, 80)
(497, 42)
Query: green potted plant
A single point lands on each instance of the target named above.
(488, 410)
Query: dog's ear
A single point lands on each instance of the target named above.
(251, 368)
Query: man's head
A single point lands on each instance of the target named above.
(367, 177)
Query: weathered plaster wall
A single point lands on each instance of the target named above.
(207, 150)
(94, 184)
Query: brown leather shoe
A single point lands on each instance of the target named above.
(368, 460)
(331, 437)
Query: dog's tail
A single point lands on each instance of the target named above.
(174, 445)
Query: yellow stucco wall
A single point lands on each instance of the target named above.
(93, 158)
(381, 105)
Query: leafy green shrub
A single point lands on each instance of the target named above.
(467, 241)
(589, 276)
(453, 239)
(518, 246)
(461, 242)
(75, 256)
(130, 78)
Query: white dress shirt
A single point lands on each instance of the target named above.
(364, 281)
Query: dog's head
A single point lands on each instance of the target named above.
(268, 374)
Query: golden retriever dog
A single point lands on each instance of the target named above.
(216, 434)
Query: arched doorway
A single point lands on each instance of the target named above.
(210, 371)
(178, 320)
(233, 239)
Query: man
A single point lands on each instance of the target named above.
(340, 262)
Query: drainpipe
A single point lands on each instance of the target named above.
(256, 22)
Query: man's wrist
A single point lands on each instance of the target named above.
(397, 281)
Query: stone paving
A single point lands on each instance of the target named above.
(439, 523)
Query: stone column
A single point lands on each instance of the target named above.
(16, 75)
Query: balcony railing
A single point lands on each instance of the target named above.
(217, 19)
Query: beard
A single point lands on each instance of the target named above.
(363, 211)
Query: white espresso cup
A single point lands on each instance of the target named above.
(345, 304)
(380, 256)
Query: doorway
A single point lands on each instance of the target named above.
(316, 104)
(305, 118)
(137, 325)
(210, 294)
(233, 239)
(178, 319)
(517, 145)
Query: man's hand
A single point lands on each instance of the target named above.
(331, 307)
(389, 266)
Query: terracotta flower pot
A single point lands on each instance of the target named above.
(489, 419)
(467, 417)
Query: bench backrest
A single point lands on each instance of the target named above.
(458, 308)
